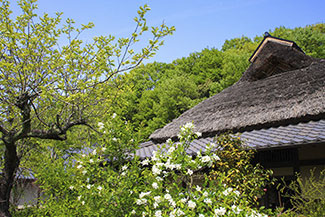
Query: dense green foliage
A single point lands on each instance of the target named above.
(307, 195)
(154, 94)
(88, 185)
(236, 165)
(52, 83)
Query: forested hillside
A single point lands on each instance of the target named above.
(152, 95)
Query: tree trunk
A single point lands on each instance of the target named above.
(8, 176)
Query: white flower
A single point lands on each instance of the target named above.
(155, 156)
(179, 212)
(83, 202)
(171, 149)
(142, 194)
(159, 179)
(156, 170)
(155, 185)
(169, 141)
(123, 173)
(133, 212)
(71, 187)
(198, 188)
(141, 201)
(178, 166)
(158, 213)
(88, 186)
(189, 125)
(114, 116)
(168, 164)
(205, 194)
(84, 172)
(256, 214)
(155, 205)
(220, 211)
(99, 188)
(215, 157)
(157, 199)
(235, 209)
(124, 167)
(94, 152)
(168, 197)
(201, 215)
(207, 201)
(183, 200)
(206, 159)
(91, 161)
(172, 203)
(79, 197)
(114, 139)
(198, 134)
(227, 191)
(190, 172)
(237, 193)
(145, 162)
(103, 149)
(100, 125)
(79, 166)
(191, 204)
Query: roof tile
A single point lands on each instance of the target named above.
(310, 132)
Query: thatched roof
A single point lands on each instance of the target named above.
(282, 86)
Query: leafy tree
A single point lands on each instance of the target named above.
(165, 102)
(236, 43)
(46, 89)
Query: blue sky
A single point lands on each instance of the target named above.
(199, 24)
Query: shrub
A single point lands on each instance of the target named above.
(236, 165)
(307, 196)
(88, 185)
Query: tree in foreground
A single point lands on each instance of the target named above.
(47, 89)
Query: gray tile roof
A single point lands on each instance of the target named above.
(274, 137)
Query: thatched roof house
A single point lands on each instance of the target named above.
(282, 86)
(278, 105)
(278, 102)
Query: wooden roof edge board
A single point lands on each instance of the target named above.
(273, 39)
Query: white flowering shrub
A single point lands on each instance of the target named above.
(168, 188)
(91, 185)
